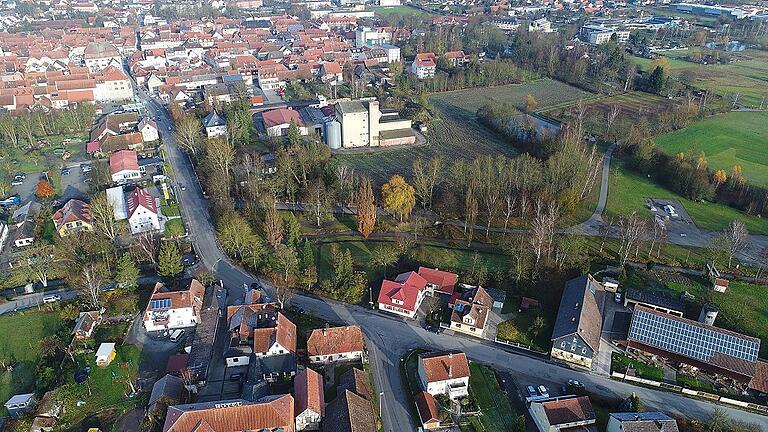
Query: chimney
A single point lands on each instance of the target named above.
(450, 371)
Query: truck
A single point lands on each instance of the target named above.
(10, 201)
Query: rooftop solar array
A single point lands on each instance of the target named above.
(689, 338)
(161, 304)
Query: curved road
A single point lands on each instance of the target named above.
(389, 338)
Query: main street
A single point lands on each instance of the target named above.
(390, 338)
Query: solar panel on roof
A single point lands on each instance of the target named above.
(161, 304)
(689, 339)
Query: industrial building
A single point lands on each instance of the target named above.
(598, 34)
(360, 123)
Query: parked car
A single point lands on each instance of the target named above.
(65, 171)
(531, 391)
(53, 298)
(235, 377)
(617, 297)
(543, 391)
(86, 168)
(176, 335)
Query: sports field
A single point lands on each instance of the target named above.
(457, 133)
(735, 138)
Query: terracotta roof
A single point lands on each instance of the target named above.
(284, 333)
(474, 303)
(443, 279)
(123, 160)
(309, 392)
(349, 413)
(139, 198)
(357, 381)
(444, 365)
(281, 116)
(405, 288)
(335, 340)
(722, 282)
(190, 296)
(427, 408)
(233, 415)
(74, 210)
(579, 312)
(759, 381)
(332, 68)
(568, 410)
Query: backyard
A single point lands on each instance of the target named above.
(735, 138)
(620, 363)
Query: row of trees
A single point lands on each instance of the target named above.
(27, 127)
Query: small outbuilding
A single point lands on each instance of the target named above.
(20, 404)
(105, 354)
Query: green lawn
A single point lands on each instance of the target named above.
(736, 138)
(693, 383)
(627, 192)
(496, 411)
(620, 362)
(24, 347)
(171, 210)
(174, 228)
(519, 329)
(387, 11)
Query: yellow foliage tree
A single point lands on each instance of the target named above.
(399, 197)
(530, 103)
(719, 178)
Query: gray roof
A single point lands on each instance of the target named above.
(169, 386)
(656, 299)
(351, 107)
(213, 119)
(646, 422)
(20, 398)
(579, 311)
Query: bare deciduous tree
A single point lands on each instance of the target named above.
(425, 178)
(631, 229)
(543, 229)
(146, 246)
(273, 226)
(734, 239)
(188, 134)
(104, 217)
(91, 280)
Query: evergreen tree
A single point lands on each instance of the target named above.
(292, 231)
(656, 80)
(170, 264)
(127, 274)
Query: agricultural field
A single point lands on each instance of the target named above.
(736, 138)
(628, 192)
(387, 11)
(747, 77)
(457, 133)
(632, 106)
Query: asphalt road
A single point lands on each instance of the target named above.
(389, 338)
(34, 299)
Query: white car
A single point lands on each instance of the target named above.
(53, 298)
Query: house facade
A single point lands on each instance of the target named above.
(124, 166)
(562, 413)
(148, 129)
(308, 390)
(424, 65)
(142, 212)
(73, 217)
(174, 307)
(214, 125)
(335, 344)
(277, 340)
(445, 373)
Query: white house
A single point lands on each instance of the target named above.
(105, 354)
(277, 340)
(112, 84)
(173, 308)
(444, 373)
(309, 402)
(278, 121)
(142, 211)
(124, 166)
(214, 125)
(148, 129)
(100, 55)
(424, 65)
(335, 344)
(404, 295)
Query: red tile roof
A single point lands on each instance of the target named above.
(443, 279)
(140, 198)
(427, 408)
(405, 289)
(309, 392)
(281, 116)
(444, 365)
(235, 415)
(123, 160)
(284, 333)
(335, 340)
(570, 410)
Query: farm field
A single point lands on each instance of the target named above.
(736, 138)
(628, 191)
(457, 133)
(747, 77)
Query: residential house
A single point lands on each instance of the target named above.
(308, 390)
(242, 320)
(74, 216)
(328, 345)
(277, 339)
(444, 373)
(214, 125)
(174, 307)
(100, 55)
(124, 166)
(105, 354)
(85, 323)
(424, 65)
(404, 295)
(456, 58)
(25, 220)
(271, 413)
(576, 335)
(652, 421)
(439, 281)
(148, 129)
(356, 381)
(331, 73)
(470, 312)
(563, 413)
(20, 404)
(349, 412)
(143, 214)
(427, 409)
(277, 121)
(168, 390)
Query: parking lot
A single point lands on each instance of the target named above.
(680, 223)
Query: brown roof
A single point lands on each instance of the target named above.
(349, 413)
(444, 365)
(284, 333)
(335, 340)
(427, 408)
(309, 391)
(74, 210)
(357, 381)
(190, 296)
(568, 410)
(445, 280)
(235, 415)
(474, 303)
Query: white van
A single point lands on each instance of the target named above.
(53, 298)
(176, 335)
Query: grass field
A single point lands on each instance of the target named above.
(497, 413)
(387, 11)
(748, 76)
(736, 138)
(458, 134)
(627, 192)
(24, 347)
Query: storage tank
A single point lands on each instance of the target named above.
(708, 314)
(333, 134)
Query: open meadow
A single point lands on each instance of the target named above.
(735, 138)
(457, 132)
(402, 10)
